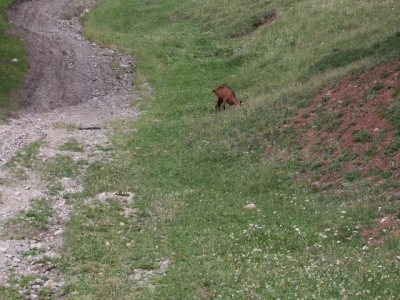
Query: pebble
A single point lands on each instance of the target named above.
(50, 284)
(36, 287)
(250, 206)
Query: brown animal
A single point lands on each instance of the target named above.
(225, 95)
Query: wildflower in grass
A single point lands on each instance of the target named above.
(297, 229)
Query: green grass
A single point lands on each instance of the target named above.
(362, 136)
(11, 73)
(24, 159)
(28, 223)
(193, 171)
(57, 168)
(26, 156)
(72, 145)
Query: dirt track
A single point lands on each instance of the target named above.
(71, 83)
(64, 70)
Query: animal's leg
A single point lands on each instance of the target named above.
(218, 103)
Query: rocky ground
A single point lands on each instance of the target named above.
(70, 93)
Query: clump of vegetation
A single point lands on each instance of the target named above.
(362, 136)
(13, 64)
(393, 110)
(61, 166)
(24, 159)
(393, 148)
(29, 222)
(26, 156)
(72, 145)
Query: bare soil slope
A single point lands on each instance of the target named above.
(351, 130)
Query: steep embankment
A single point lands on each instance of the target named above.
(350, 130)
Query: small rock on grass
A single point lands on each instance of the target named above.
(50, 284)
(250, 206)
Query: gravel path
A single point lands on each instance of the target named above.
(70, 85)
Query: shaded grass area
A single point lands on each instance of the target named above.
(193, 171)
(11, 73)
(339, 58)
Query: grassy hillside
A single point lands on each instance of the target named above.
(11, 73)
(222, 208)
(194, 171)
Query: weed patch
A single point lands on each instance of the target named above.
(59, 167)
(362, 136)
(393, 148)
(72, 145)
(28, 223)
(24, 159)
(26, 156)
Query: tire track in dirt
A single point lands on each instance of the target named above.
(63, 69)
